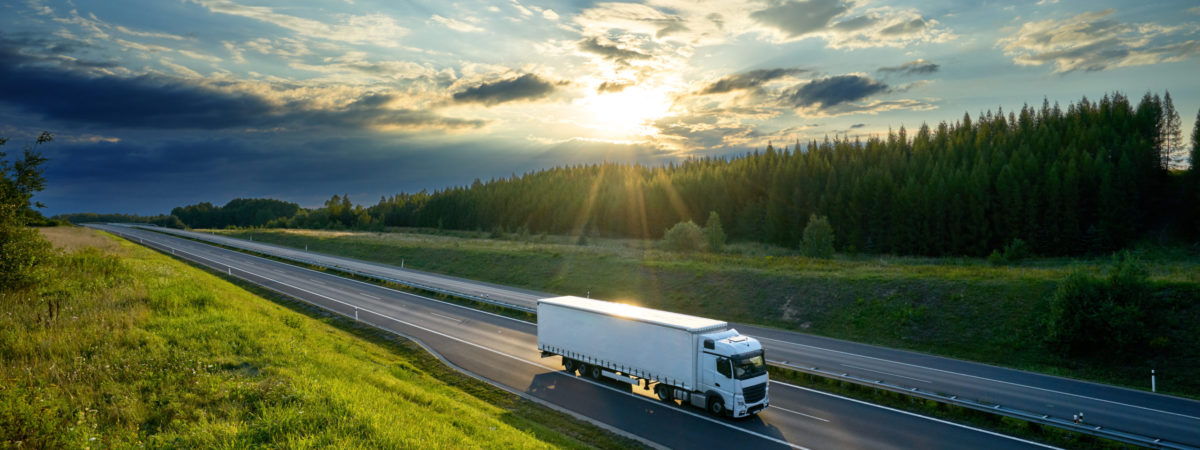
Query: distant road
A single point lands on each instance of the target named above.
(1170, 418)
(504, 352)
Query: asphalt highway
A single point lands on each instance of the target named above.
(1159, 416)
(503, 351)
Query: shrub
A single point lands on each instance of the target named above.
(684, 236)
(1016, 250)
(1103, 318)
(818, 238)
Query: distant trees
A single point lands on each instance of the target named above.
(21, 248)
(239, 212)
(1088, 178)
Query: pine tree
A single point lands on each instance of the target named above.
(714, 233)
(1195, 160)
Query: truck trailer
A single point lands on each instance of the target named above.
(698, 361)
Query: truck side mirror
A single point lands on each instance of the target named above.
(708, 344)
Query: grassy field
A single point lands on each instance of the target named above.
(123, 347)
(959, 307)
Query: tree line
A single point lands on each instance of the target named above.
(1089, 178)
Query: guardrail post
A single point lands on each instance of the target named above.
(1153, 388)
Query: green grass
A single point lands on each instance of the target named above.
(958, 307)
(123, 347)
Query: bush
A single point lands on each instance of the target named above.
(997, 258)
(818, 238)
(1016, 251)
(684, 237)
(1103, 318)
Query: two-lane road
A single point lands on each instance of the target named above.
(1170, 418)
(504, 352)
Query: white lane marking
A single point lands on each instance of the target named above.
(1039, 444)
(447, 317)
(885, 373)
(364, 294)
(799, 413)
(314, 280)
(984, 378)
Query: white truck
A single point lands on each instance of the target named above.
(692, 359)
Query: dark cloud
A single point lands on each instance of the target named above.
(524, 87)
(798, 18)
(857, 125)
(832, 91)
(911, 27)
(162, 102)
(856, 23)
(144, 101)
(747, 80)
(612, 86)
(610, 52)
(917, 67)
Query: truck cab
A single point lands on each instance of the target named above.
(733, 374)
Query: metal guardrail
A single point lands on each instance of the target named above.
(348, 270)
(1043, 419)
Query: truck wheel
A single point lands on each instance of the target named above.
(663, 392)
(716, 407)
(569, 365)
(595, 371)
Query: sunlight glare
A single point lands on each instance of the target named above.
(626, 113)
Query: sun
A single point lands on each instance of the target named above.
(628, 113)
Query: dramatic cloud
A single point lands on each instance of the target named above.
(1092, 42)
(833, 91)
(163, 102)
(747, 80)
(524, 87)
(798, 18)
(611, 52)
(917, 67)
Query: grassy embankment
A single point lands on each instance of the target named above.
(958, 307)
(122, 346)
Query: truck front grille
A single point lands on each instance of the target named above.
(754, 394)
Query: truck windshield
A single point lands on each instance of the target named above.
(749, 366)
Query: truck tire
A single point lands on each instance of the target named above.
(569, 365)
(716, 407)
(596, 372)
(663, 392)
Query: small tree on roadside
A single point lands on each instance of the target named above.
(714, 233)
(818, 238)
(684, 237)
(21, 248)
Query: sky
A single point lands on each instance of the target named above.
(163, 103)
